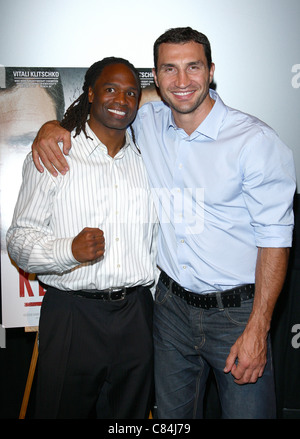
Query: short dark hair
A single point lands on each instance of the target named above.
(181, 35)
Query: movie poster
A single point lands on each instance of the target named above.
(28, 98)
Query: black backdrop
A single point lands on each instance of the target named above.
(15, 358)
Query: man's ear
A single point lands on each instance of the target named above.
(91, 95)
(211, 73)
(155, 77)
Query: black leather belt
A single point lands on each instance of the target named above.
(227, 298)
(109, 294)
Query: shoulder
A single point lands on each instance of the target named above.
(34, 180)
(152, 115)
(254, 132)
(80, 143)
(150, 108)
(248, 122)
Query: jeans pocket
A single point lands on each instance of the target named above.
(240, 315)
(161, 293)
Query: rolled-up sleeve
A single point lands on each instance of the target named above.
(269, 184)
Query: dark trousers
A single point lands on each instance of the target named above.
(94, 352)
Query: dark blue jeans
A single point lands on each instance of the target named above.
(189, 342)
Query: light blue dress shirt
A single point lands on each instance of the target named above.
(220, 193)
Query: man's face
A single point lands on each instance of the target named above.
(183, 76)
(114, 98)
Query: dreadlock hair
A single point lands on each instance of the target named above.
(77, 114)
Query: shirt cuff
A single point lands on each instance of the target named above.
(63, 255)
(274, 236)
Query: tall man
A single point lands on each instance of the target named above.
(91, 238)
(224, 185)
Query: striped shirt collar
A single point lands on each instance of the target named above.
(91, 143)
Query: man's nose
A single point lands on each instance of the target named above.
(182, 79)
(121, 97)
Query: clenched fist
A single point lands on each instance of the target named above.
(88, 245)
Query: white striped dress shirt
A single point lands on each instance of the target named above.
(112, 194)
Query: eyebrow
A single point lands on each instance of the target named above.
(117, 84)
(191, 63)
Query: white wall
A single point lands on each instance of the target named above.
(255, 45)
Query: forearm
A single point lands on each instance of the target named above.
(271, 268)
(37, 253)
(250, 348)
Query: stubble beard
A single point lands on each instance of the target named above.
(181, 109)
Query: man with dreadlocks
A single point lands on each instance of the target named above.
(90, 237)
(226, 221)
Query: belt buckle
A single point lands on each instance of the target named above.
(111, 291)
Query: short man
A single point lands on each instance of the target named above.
(224, 186)
(91, 238)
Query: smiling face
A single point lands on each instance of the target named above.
(114, 99)
(183, 78)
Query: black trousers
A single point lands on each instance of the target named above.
(95, 354)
